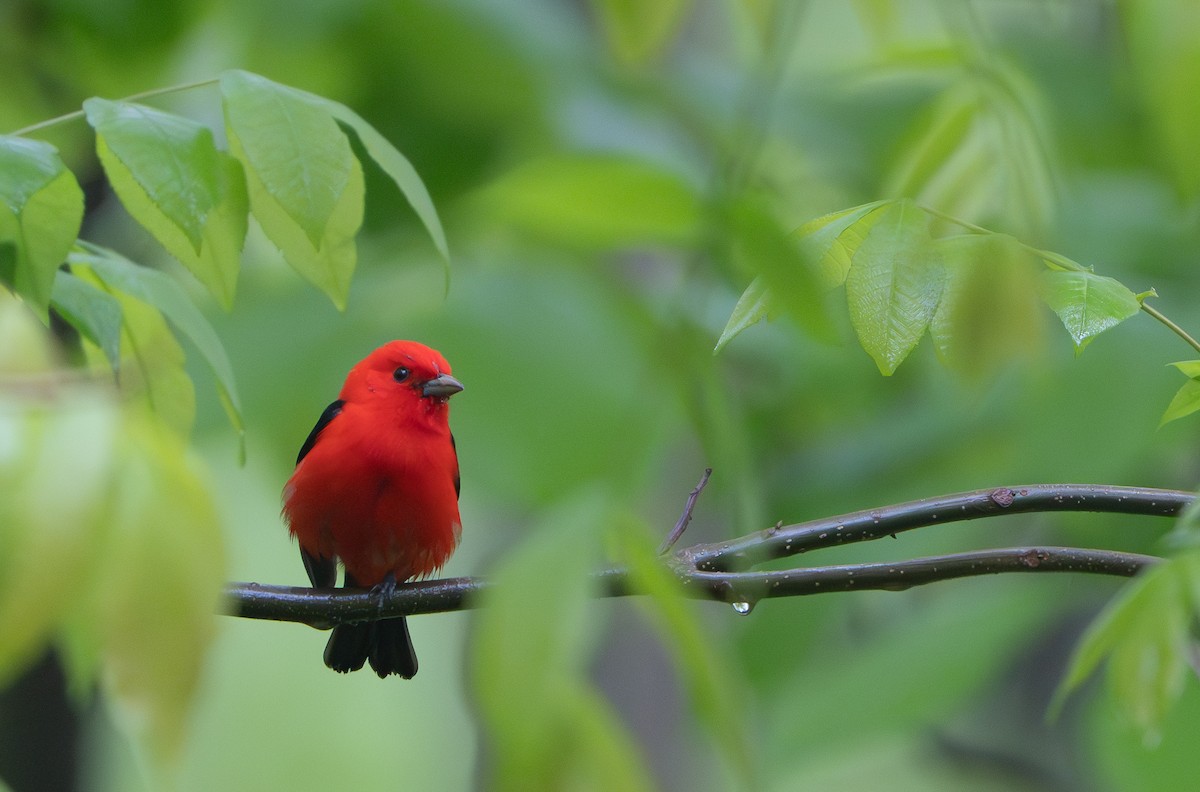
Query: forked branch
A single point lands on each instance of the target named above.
(720, 571)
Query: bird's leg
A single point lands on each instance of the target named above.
(382, 591)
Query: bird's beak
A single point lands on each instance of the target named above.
(442, 387)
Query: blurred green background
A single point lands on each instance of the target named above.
(584, 157)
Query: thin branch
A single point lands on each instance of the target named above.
(749, 587)
(746, 551)
(705, 570)
(685, 518)
(323, 608)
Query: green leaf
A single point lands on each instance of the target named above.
(305, 184)
(393, 163)
(528, 670)
(1020, 130)
(165, 294)
(1190, 368)
(172, 180)
(980, 149)
(27, 347)
(607, 757)
(41, 208)
(294, 149)
(832, 239)
(940, 143)
(1185, 535)
(1145, 634)
(595, 201)
(818, 261)
(751, 307)
(1164, 61)
(171, 162)
(894, 285)
(1057, 262)
(760, 245)
(149, 630)
(990, 312)
(92, 311)
(637, 31)
(1185, 402)
(56, 468)
(330, 265)
(152, 362)
(1088, 304)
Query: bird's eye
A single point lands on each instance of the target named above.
(400, 374)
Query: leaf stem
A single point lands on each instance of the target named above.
(956, 221)
(78, 114)
(1047, 255)
(1176, 329)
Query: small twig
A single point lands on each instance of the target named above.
(682, 524)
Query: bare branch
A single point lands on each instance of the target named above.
(707, 571)
(749, 587)
(746, 551)
(323, 608)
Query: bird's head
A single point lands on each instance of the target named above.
(402, 372)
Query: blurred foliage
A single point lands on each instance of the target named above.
(533, 635)
(611, 177)
(91, 488)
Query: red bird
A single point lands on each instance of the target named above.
(376, 487)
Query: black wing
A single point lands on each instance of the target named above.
(322, 572)
(457, 478)
(331, 412)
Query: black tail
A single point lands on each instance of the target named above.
(385, 643)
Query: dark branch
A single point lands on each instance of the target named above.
(706, 570)
(324, 607)
(750, 587)
(746, 551)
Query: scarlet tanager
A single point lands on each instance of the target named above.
(376, 487)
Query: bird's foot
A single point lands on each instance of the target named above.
(382, 591)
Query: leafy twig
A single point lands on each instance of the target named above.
(1066, 263)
